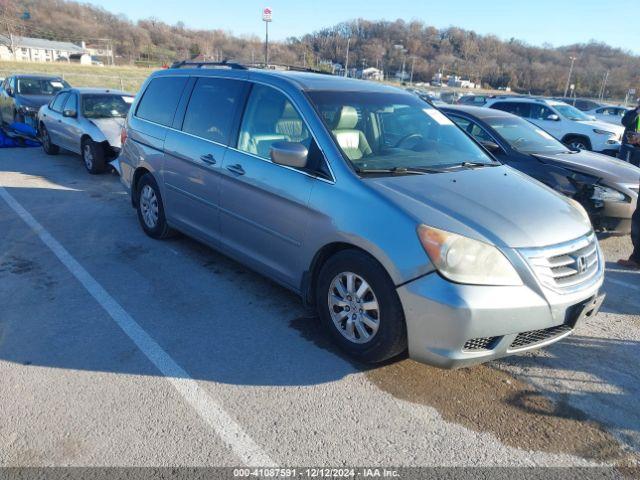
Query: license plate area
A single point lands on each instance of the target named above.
(579, 312)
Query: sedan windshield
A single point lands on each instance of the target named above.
(106, 105)
(40, 86)
(572, 113)
(524, 136)
(389, 131)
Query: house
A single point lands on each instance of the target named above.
(458, 82)
(371, 73)
(26, 49)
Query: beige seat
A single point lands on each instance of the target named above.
(352, 141)
(290, 124)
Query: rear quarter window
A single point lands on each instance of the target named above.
(160, 100)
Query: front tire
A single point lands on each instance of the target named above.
(93, 157)
(359, 305)
(48, 147)
(578, 142)
(151, 209)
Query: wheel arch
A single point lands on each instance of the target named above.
(580, 136)
(137, 175)
(310, 277)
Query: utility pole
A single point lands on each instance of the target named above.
(566, 88)
(266, 18)
(346, 62)
(605, 78)
(413, 61)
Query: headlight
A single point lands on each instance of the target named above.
(464, 260)
(602, 132)
(606, 194)
(26, 109)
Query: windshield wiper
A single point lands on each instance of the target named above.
(478, 164)
(399, 170)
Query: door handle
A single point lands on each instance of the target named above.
(237, 169)
(208, 159)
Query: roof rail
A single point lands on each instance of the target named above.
(292, 68)
(223, 64)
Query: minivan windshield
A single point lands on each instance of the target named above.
(389, 131)
(40, 86)
(572, 113)
(106, 105)
(524, 136)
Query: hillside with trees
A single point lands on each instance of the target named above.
(482, 58)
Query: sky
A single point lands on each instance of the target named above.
(556, 22)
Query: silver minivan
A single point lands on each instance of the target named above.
(373, 206)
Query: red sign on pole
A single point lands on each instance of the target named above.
(266, 14)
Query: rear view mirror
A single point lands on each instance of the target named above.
(553, 117)
(70, 113)
(491, 146)
(290, 154)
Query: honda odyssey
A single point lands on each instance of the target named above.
(369, 203)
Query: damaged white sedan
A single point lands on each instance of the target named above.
(86, 121)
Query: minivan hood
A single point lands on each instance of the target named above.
(110, 128)
(609, 169)
(496, 204)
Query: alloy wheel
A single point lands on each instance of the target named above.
(354, 307)
(87, 155)
(149, 206)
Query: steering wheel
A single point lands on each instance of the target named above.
(416, 137)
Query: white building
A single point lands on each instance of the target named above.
(26, 49)
(371, 73)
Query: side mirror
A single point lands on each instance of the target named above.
(553, 117)
(9, 91)
(70, 114)
(491, 146)
(290, 154)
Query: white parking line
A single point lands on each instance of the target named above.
(209, 410)
(623, 284)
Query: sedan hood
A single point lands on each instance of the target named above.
(609, 169)
(111, 128)
(35, 101)
(607, 127)
(498, 205)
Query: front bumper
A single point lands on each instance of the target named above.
(442, 317)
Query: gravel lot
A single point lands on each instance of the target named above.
(116, 349)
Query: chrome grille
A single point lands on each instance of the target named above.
(567, 266)
(526, 339)
(484, 343)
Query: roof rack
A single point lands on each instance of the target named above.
(292, 68)
(223, 64)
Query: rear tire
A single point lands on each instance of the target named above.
(93, 157)
(48, 147)
(363, 313)
(151, 209)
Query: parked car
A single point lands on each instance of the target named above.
(21, 96)
(582, 104)
(367, 202)
(566, 123)
(472, 99)
(607, 188)
(87, 121)
(608, 113)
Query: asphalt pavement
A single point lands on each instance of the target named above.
(119, 350)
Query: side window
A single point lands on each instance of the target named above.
(463, 123)
(72, 102)
(212, 107)
(160, 100)
(59, 101)
(521, 109)
(479, 133)
(269, 118)
(540, 112)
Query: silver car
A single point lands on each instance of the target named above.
(87, 121)
(369, 203)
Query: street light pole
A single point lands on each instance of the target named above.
(413, 61)
(566, 88)
(266, 18)
(346, 62)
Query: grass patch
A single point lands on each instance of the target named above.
(128, 78)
